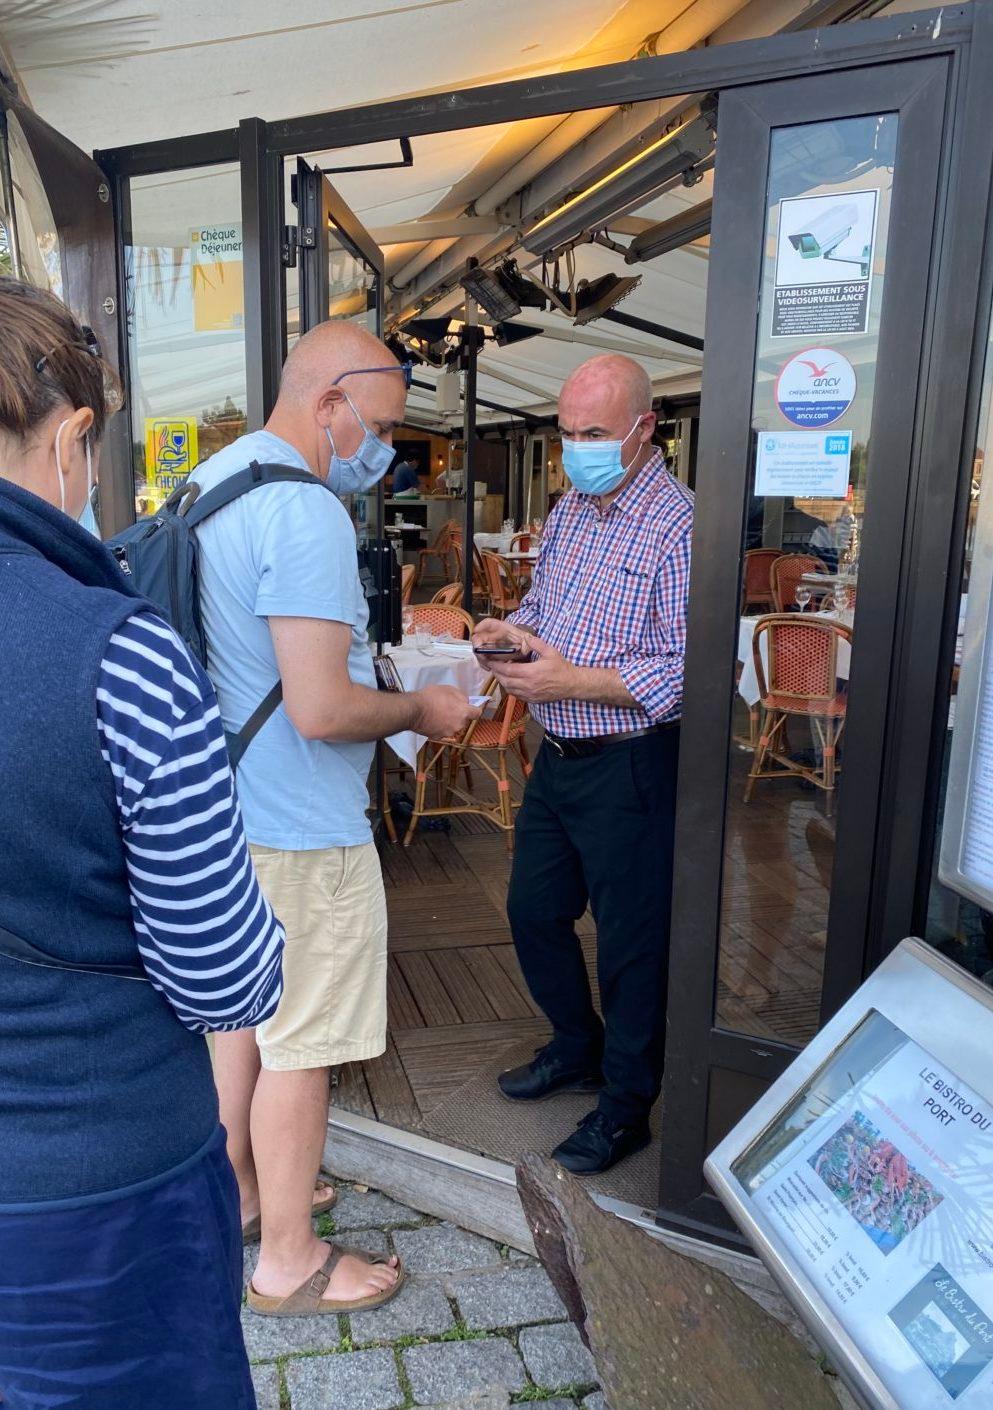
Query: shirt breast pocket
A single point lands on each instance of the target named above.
(629, 594)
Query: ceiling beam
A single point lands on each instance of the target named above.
(628, 346)
(427, 228)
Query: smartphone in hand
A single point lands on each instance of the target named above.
(501, 651)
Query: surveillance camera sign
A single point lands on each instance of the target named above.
(824, 254)
(816, 387)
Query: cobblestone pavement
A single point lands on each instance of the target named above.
(477, 1327)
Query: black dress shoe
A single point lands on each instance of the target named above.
(546, 1076)
(599, 1143)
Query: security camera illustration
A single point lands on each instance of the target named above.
(822, 237)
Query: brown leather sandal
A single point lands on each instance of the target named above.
(309, 1299)
(252, 1231)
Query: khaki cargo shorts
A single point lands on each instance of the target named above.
(333, 908)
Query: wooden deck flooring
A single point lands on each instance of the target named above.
(457, 998)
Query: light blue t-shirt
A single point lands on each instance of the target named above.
(283, 551)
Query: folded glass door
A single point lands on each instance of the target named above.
(340, 277)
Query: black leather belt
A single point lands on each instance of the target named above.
(583, 748)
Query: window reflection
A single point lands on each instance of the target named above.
(186, 313)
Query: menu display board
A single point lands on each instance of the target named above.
(887, 1198)
(870, 1191)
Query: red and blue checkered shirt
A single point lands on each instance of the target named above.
(610, 590)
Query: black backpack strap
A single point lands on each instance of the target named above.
(238, 743)
(12, 947)
(243, 482)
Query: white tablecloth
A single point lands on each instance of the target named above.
(748, 686)
(446, 664)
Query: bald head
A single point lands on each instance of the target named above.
(325, 353)
(327, 386)
(611, 379)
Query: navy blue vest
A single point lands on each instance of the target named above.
(101, 1086)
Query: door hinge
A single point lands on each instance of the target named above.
(308, 237)
(288, 248)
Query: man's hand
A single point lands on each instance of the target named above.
(443, 712)
(550, 677)
(489, 632)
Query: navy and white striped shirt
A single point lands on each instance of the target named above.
(207, 936)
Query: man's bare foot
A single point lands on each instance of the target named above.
(250, 1211)
(352, 1279)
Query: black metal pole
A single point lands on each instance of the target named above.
(471, 334)
(657, 330)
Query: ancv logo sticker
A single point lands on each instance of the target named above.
(816, 388)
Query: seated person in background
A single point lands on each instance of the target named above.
(830, 541)
(406, 476)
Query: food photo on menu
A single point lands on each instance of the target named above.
(875, 1182)
(876, 1185)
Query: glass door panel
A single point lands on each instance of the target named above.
(818, 305)
(815, 366)
(184, 267)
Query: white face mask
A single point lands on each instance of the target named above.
(85, 518)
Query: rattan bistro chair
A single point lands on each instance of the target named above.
(785, 574)
(501, 584)
(440, 549)
(802, 680)
(481, 741)
(407, 575)
(450, 595)
(480, 588)
(439, 617)
(756, 586)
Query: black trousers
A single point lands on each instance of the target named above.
(599, 830)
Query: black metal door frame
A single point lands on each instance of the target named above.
(80, 201)
(962, 37)
(320, 211)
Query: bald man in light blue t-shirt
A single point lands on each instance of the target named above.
(282, 599)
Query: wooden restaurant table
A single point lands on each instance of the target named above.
(443, 663)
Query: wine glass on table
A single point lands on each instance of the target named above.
(802, 596)
(841, 599)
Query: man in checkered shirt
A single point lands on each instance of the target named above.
(605, 626)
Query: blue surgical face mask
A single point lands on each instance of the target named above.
(364, 469)
(596, 467)
(86, 519)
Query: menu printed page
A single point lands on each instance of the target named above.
(886, 1202)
